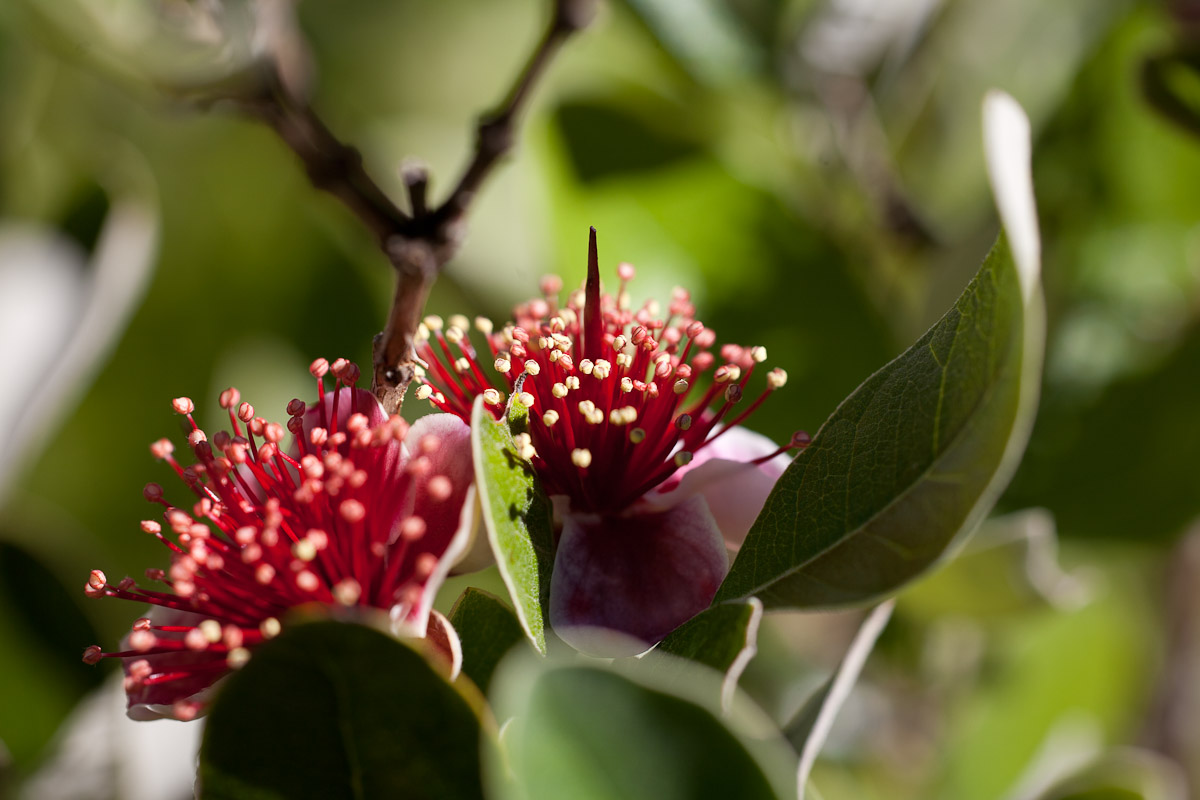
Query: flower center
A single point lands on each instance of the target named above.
(620, 398)
(330, 522)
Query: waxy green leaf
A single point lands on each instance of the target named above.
(603, 731)
(913, 459)
(724, 637)
(516, 514)
(333, 710)
(488, 629)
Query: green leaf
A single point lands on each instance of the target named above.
(724, 637)
(913, 459)
(516, 514)
(809, 729)
(603, 731)
(488, 629)
(606, 140)
(1171, 83)
(702, 35)
(1126, 774)
(333, 710)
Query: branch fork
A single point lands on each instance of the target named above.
(418, 244)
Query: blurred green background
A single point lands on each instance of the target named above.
(812, 171)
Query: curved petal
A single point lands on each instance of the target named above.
(440, 445)
(349, 400)
(734, 489)
(441, 635)
(641, 575)
(196, 671)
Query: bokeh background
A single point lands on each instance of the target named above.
(811, 170)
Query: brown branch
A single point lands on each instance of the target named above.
(496, 132)
(420, 244)
(331, 165)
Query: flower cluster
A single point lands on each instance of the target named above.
(635, 430)
(363, 510)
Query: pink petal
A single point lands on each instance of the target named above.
(349, 401)
(384, 460)
(155, 701)
(640, 575)
(450, 519)
(441, 635)
(734, 489)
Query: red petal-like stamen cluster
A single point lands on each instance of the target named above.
(621, 399)
(329, 522)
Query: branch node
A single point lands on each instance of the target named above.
(415, 175)
(495, 135)
(573, 15)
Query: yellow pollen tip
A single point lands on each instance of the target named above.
(433, 322)
(682, 458)
(550, 418)
(626, 384)
(525, 399)
(623, 416)
(533, 367)
(524, 444)
(484, 326)
(461, 322)
(211, 630)
(681, 386)
(581, 457)
(559, 390)
(492, 397)
(637, 435)
(776, 378)
(424, 391)
(586, 366)
(237, 658)
(304, 550)
(269, 628)
(502, 365)
(347, 591)
(759, 353)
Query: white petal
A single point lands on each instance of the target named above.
(734, 489)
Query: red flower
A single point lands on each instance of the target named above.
(363, 511)
(635, 430)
